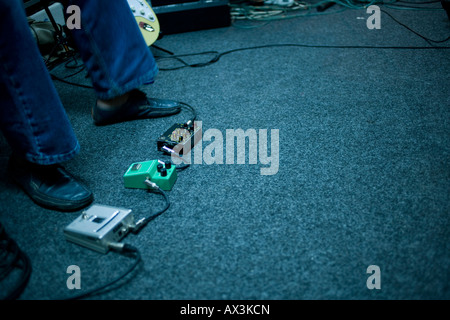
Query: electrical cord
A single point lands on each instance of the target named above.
(416, 33)
(70, 83)
(182, 166)
(353, 4)
(219, 55)
(419, 2)
(270, 12)
(13, 258)
(153, 187)
(124, 249)
(184, 105)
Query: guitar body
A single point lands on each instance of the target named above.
(146, 20)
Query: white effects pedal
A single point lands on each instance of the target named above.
(100, 226)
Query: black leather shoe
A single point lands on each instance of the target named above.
(446, 6)
(49, 186)
(138, 106)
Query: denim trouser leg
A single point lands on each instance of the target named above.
(112, 47)
(32, 117)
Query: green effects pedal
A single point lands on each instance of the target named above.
(163, 174)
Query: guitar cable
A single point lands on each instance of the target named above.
(124, 249)
(127, 249)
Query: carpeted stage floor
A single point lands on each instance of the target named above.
(359, 170)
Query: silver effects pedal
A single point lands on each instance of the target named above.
(100, 227)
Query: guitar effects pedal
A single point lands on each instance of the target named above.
(163, 174)
(179, 138)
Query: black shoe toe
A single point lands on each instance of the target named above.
(50, 186)
(138, 106)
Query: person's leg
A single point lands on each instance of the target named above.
(118, 62)
(112, 47)
(31, 114)
(32, 117)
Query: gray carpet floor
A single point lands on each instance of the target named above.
(363, 170)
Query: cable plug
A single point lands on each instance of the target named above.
(121, 247)
(151, 184)
(168, 150)
(138, 225)
(116, 246)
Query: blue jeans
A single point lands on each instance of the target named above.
(32, 117)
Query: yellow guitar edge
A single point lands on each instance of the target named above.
(149, 37)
